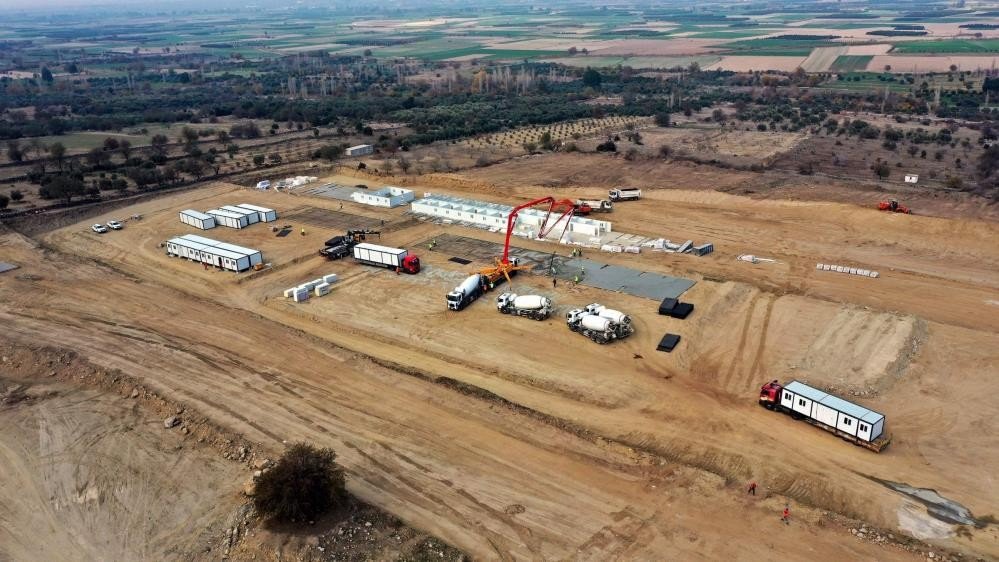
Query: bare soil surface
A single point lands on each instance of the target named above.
(510, 438)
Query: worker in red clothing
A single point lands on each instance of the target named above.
(786, 516)
(752, 488)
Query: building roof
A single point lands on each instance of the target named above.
(189, 239)
(225, 213)
(237, 209)
(196, 214)
(360, 146)
(255, 208)
(834, 402)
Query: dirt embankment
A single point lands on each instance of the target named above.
(109, 480)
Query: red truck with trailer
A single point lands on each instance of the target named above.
(383, 256)
(855, 423)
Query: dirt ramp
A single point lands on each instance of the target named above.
(745, 336)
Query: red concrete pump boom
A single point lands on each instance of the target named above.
(567, 206)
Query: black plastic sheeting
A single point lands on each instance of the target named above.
(668, 343)
(675, 309)
(462, 261)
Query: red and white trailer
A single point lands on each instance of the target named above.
(850, 421)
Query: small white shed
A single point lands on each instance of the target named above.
(229, 218)
(360, 150)
(911, 178)
(388, 196)
(265, 214)
(197, 219)
(252, 217)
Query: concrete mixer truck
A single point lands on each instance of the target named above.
(535, 307)
(470, 289)
(599, 323)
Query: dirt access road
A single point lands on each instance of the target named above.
(593, 452)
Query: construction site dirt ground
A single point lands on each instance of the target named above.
(510, 438)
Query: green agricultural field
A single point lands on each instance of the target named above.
(947, 46)
(850, 63)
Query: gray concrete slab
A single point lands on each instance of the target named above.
(6, 267)
(655, 286)
(329, 191)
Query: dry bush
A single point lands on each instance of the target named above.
(304, 483)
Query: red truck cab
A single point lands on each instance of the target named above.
(411, 264)
(770, 394)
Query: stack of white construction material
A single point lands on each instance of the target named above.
(847, 270)
(611, 248)
(319, 287)
(632, 249)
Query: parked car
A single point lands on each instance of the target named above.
(115, 225)
(99, 228)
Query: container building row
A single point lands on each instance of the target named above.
(233, 216)
(218, 254)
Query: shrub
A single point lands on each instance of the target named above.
(303, 484)
(608, 146)
(16, 195)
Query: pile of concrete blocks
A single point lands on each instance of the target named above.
(847, 270)
(318, 287)
(687, 247)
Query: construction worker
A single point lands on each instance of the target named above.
(554, 282)
(303, 232)
(752, 488)
(397, 271)
(786, 516)
(576, 280)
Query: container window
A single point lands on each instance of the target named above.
(787, 396)
(801, 401)
(847, 421)
(863, 427)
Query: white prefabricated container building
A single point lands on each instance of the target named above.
(218, 254)
(494, 216)
(833, 411)
(265, 214)
(388, 196)
(252, 217)
(197, 220)
(360, 150)
(229, 218)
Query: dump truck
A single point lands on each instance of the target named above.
(470, 289)
(584, 207)
(599, 323)
(383, 256)
(535, 307)
(625, 194)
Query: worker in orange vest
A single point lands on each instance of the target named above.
(786, 516)
(752, 488)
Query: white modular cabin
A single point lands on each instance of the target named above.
(253, 255)
(265, 214)
(197, 220)
(360, 150)
(218, 257)
(229, 218)
(832, 411)
(252, 217)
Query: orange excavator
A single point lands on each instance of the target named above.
(562, 208)
(893, 206)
